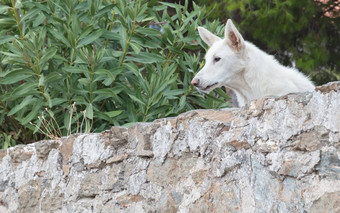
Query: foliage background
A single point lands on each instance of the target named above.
(70, 66)
(304, 33)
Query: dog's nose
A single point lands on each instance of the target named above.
(195, 82)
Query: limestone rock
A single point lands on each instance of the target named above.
(277, 154)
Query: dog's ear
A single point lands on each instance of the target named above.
(232, 36)
(207, 36)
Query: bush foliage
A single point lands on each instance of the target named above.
(70, 66)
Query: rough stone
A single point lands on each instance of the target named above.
(29, 196)
(277, 154)
(66, 148)
(329, 202)
(312, 140)
(43, 148)
(20, 154)
(116, 137)
(3, 153)
(52, 202)
(116, 159)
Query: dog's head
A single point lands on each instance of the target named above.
(224, 59)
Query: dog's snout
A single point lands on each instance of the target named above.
(195, 82)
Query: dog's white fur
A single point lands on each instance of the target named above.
(245, 69)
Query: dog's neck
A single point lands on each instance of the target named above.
(245, 83)
(241, 88)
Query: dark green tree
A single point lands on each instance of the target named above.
(305, 33)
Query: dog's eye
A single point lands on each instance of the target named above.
(216, 59)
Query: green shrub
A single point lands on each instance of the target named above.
(7, 140)
(71, 66)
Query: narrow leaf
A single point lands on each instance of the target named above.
(24, 103)
(6, 38)
(90, 38)
(89, 111)
(112, 114)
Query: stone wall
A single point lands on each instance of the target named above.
(275, 155)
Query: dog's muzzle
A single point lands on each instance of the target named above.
(196, 82)
(208, 87)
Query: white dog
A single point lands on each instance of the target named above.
(248, 71)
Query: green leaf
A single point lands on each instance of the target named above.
(16, 75)
(84, 81)
(6, 39)
(158, 110)
(90, 38)
(48, 55)
(136, 47)
(75, 70)
(48, 99)
(112, 114)
(53, 77)
(171, 5)
(24, 90)
(27, 100)
(39, 20)
(136, 99)
(75, 24)
(89, 111)
(145, 57)
(60, 37)
(123, 37)
(4, 8)
(148, 31)
(33, 114)
(41, 80)
(104, 10)
(172, 93)
(85, 32)
(108, 92)
(111, 35)
(133, 67)
(9, 22)
(31, 14)
(58, 101)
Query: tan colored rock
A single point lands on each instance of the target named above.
(29, 196)
(43, 148)
(66, 147)
(3, 153)
(331, 86)
(329, 202)
(52, 202)
(66, 170)
(116, 159)
(20, 154)
(116, 137)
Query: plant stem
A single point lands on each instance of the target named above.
(92, 65)
(128, 42)
(126, 48)
(68, 80)
(147, 109)
(91, 82)
(168, 56)
(110, 27)
(36, 69)
(17, 18)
